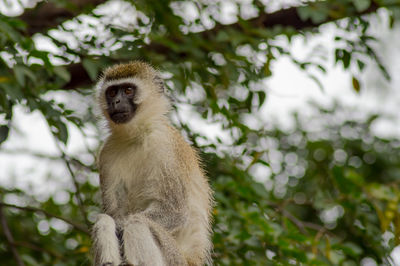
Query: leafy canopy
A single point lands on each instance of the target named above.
(325, 193)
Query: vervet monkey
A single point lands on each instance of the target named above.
(157, 201)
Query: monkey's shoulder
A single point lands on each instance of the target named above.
(185, 152)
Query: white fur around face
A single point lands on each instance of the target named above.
(150, 105)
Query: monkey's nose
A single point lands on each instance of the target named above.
(116, 102)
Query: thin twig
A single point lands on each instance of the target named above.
(37, 248)
(296, 221)
(318, 228)
(316, 241)
(77, 226)
(75, 181)
(301, 225)
(10, 238)
(72, 160)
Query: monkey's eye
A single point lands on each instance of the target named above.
(128, 90)
(111, 92)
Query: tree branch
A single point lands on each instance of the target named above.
(37, 248)
(76, 162)
(302, 225)
(47, 15)
(10, 238)
(285, 17)
(290, 17)
(77, 226)
(78, 193)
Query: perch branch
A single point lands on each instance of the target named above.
(77, 226)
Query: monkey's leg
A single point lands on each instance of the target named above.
(105, 242)
(140, 247)
(147, 243)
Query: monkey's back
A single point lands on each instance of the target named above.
(194, 238)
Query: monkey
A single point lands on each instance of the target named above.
(156, 197)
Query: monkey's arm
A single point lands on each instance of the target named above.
(169, 207)
(148, 235)
(108, 196)
(106, 245)
(166, 215)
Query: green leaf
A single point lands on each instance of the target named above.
(4, 131)
(346, 59)
(317, 81)
(92, 68)
(347, 183)
(381, 192)
(361, 65)
(314, 11)
(261, 98)
(8, 31)
(349, 248)
(29, 260)
(19, 75)
(13, 91)
(303, 12)
(62, 73)
(59, 129)
(356, 84)
(21, 72)
(362, 5)
(318, 17)
(63, 132)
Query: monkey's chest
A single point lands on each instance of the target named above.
(132, 197)
(129, 185)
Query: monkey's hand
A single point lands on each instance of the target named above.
(105, 242)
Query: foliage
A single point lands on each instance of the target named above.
(324, 193)
(331, 194)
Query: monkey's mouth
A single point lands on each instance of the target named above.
(120, 117)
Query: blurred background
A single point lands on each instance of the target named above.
(293, 106)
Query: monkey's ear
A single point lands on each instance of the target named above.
(160, 83)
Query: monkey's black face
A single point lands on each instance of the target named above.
(120, 104)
